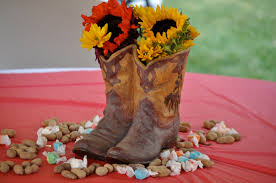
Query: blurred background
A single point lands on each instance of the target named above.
(238, 37)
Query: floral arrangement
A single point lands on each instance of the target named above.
(157, 33)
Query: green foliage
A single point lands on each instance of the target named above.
(237, 38)
(175, 44)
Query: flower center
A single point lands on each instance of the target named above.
(113, 23)
(163, 26)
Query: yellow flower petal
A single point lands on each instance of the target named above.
(95, 37)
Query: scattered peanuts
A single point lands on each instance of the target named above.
(179, 139)
(65, 139)
(28, 170)
(25, 168)
(65, 130)
(187, 149)
(45, 123)
(35, 168)
(83, 124)
(74, 135)
(211, 135)
(67, 166)
(91, 169)
(10, 163)
(68, 174)
(59, 168)
(69, 124)
(59, 135)
(4, 167)
(163, 171)
(37, 161)
(31, 149)
(27, 150)
(18, 169)
(209, 124)
(27, 155)
(206, 163)
(29, 143)
(79, 172)
(109, 167)
(202, 139)
(96, 165)
(26, 163)
(165, 161)
(225, 140)
(11, 153)
(219, 134)
(51, 137)
(10, 132)
(101, 171)
(74, 127)
(52, 122)
(185, 144)
(237, 137)
(155, 162)
(200, 131)
(68, 132)
(87, 171)
(184, 126)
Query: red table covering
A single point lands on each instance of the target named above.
(244, 104)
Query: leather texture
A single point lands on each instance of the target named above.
(118, 114)
(157, 93)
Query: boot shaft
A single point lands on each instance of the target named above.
(117, 72)
(160, 82)
(130, 82)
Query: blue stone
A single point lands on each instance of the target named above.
(182, 159)
(141, 173)
(195, 154)
(89, 130)
(57, 145)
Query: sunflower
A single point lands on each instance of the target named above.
(119, 19)
(193, 32)
(166, 28)
(148, 50)
(95, 37)
(160, 25)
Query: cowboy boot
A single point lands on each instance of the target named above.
(117, 73)
(156, 110)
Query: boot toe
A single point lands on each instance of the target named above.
(83, 147)
(116, 155)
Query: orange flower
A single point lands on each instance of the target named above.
(118, 17)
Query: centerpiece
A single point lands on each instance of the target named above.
(142, 53)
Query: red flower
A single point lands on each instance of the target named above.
(111, 13)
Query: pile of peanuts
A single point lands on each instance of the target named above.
(218, 137)
(184, 145)
(10, 132)
(26, 168)
(68, 131)
(184, 127)
(211, 135)
(78, 173)
(27, 150)
(158, 165)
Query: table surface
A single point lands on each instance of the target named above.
(244, 104)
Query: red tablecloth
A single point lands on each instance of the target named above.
(244, 104)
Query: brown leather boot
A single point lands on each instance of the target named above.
(117, 73)
(156, 107)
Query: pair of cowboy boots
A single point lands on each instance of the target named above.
(142, 108)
